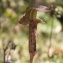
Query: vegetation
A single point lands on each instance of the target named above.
(14, 39)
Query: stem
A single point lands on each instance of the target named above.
(4, 56)
(32, 39)
(3, 53)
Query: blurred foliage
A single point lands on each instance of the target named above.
(10, 29)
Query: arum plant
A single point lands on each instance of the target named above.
(30, 18)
